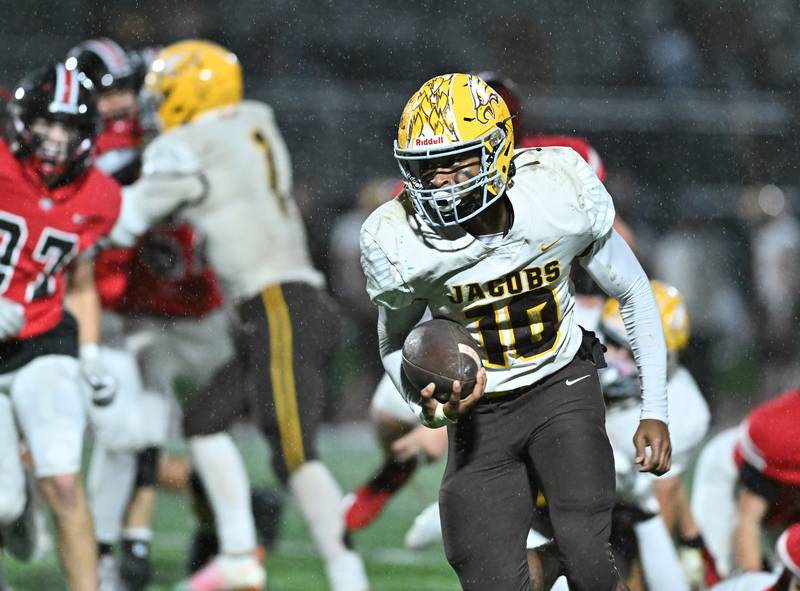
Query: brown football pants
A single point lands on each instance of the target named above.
(549, 437)
(277, 377)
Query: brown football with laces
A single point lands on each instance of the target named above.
(440, 351)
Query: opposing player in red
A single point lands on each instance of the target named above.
(786, 579)
(54, 207)
(747, 484)
(391, 415)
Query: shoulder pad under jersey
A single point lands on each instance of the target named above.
(386, 285)
(591, 196)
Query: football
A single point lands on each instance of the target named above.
(440, 351)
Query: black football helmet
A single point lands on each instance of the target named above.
(105, 63)
(54, 94)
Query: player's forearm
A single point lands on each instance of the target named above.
(746, 545)
(84, 303)
(617, 271)
(752, 508)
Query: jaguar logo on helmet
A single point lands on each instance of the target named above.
(484, 100)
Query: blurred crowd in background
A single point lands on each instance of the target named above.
(690, 103)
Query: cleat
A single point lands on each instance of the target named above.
(347, 573)
(228, 573)
(202, 549)
(20, 538)
(426, 530)
(134, 565)
(371, 498)
(365, 507)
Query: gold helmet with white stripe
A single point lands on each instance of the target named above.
(454, 116)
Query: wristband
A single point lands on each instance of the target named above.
(439, 418)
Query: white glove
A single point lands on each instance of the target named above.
(102, 385)
(12, 317)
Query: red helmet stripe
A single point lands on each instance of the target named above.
(66, 92)
(67, 95)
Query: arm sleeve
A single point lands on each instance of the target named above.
(615, 269)
(171, 178)
(393, 328)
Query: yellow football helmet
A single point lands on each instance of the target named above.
(674, 317)
(191, 77)
(452, 115)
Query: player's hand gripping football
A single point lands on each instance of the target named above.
(12, 317)
(654, 434)
(456, 407)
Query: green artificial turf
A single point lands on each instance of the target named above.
(294, 565)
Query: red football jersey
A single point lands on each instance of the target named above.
(580, 145)
(165, 274)
(42, 230)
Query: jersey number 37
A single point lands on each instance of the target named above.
(54, 250)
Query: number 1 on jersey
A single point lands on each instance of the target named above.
(272, 170)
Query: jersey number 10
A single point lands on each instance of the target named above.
(523, 326)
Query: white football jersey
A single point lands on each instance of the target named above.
(228, 173)
(513, 295)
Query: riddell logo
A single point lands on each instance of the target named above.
(429, 141)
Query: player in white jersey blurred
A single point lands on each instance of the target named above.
(487, 238)
(221, 163)
(664, 496)
(787, 578)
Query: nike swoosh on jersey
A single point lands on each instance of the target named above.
(576, 380)
(546, 247)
